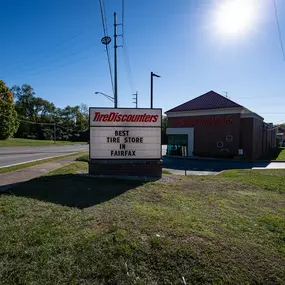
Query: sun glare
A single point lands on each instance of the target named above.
(235, 17)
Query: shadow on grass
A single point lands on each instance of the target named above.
(211, 165)
(273, 153)
(73, 190)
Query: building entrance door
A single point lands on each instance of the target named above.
(177, 145)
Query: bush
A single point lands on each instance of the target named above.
(83, 158)
(8, 115)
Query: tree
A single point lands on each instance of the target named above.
(8, 115)
(33, 109)
(163, 130)
(39, 116)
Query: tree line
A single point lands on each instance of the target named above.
(25, 115)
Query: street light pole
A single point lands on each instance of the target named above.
(54, 132)
(107, 96)
(151, 88)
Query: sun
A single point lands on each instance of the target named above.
(235, 17)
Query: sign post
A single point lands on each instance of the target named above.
(125, 142)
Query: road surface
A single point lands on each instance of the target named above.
(16, 155)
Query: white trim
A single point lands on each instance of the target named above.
(244, 113)
(224, 111)
(249, 114)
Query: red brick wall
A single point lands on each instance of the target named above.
(257, 138)
(269, 138)
(246, 136)
(208, 130)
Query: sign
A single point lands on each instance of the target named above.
(240, 151)
(192, 122)
(125, 133)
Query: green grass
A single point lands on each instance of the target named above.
(29, 142)
(164, 171)
(25, 165)
(84, 158)
(65, 228)
(281, 155)
(272, 180)
(275, 154)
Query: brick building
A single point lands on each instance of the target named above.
(213, 125)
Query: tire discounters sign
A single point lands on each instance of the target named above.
(125, 133)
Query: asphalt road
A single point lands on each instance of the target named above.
(15, 155)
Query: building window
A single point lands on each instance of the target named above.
(176, 143)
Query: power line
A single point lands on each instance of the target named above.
(29, 122)
(125, 52)
(123, 17)
(46, 124)
(279, 29)
(103, 16)
(105, 19)
(57, 67)
(51, 62)
(43, 55)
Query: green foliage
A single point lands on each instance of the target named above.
(163, 130)
(83, 158)
(71, 122)
(8, 115)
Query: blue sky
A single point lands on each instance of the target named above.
(54, 45)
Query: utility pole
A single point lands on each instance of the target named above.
(54, 132)
(115, 63)
(151, 88)
(135, 98)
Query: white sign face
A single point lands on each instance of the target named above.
(125, 133)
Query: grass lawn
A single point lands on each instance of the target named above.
(28, 164)
(281, 155)
(28, 142)
(275, 154)
(65, 228)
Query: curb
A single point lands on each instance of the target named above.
(15, 164)
(221, 159)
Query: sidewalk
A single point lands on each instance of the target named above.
(12, 178)
(221, 159)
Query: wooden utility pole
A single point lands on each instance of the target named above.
(115, 63)
(135, 98)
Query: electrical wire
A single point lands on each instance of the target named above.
(55, 68)
(279, 29)
(43, 55)
(123, 17)
(50, 62)
(103, 16)
(125, 52)
(45, 124)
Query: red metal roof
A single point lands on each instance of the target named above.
(210, 100)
